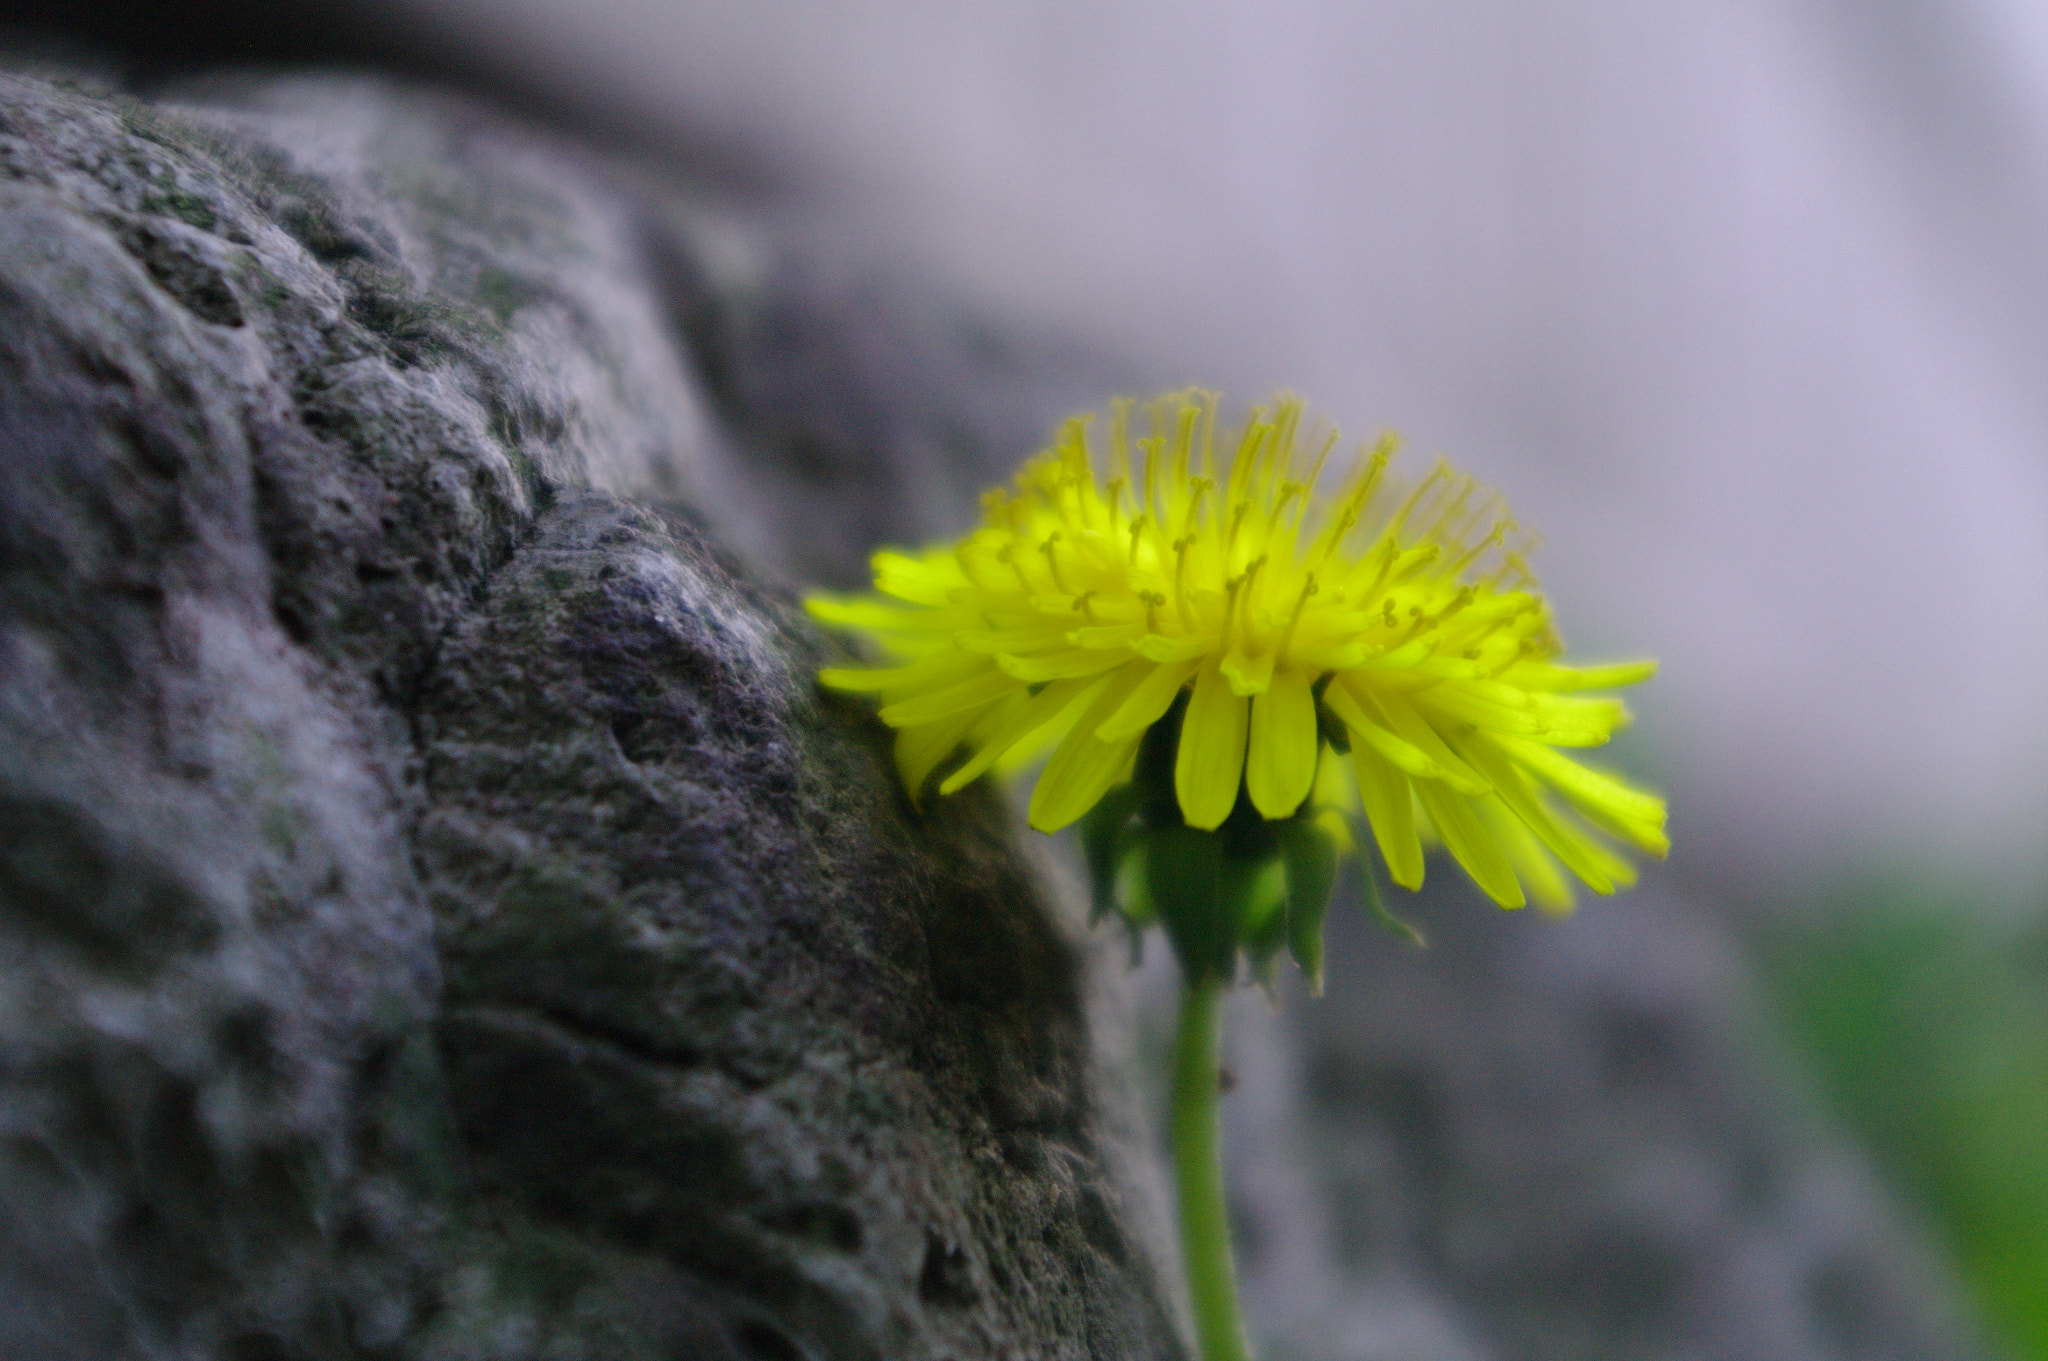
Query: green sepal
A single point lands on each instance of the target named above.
(1134, 901)
(1184, 871)
(1105, 836)
(1311, 856)
(1370, 890)
(1330, 729)
(1260, 889)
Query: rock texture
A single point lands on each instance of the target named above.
(440, 918)
(1558, 1139)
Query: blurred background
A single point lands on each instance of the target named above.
(1744, 305)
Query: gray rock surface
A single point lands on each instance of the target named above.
(440, 918)
(1563, 1140)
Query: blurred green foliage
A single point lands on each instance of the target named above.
(1922, 1010)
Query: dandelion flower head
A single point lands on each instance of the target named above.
(1394, 630)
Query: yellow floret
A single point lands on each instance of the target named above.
(1403, 623)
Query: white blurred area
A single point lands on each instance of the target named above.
(1744, 303)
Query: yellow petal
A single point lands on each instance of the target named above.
(1210, 762)
(920, 750)
(1540, 675)
(931, 673)
(865, 612)
(1160, 648)
(1575, 848)
(1147, 703)
(1014, 721)
(1630, 814)
(1466, 838)
(1367, 720)
(1404, 656)
(1084, 767)
(1496, 692)
(1026, 638)
(973, 693)
(1411, 727)
(1440, 667)
(1390, 811)
(1249, 675)
(1569, 721)
(921, 581)
(1458, 703)
(1610, 677)
(1065, 664)
(1033, 745)
(1281, 765)
(1534, 865)
(1118, 636)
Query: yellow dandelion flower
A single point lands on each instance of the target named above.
(1398, 625)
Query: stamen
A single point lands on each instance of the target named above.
(1421, 622)
(1245, 461)
(1334, 534)
(1251, 573)
(1082, 498)
(1489, 506)
(1240, 588)
(1081, 604)
(1422, 489)
(1183, 441)
(1208, 439)
(1471, 554)
(1315, 471)
(1007, 555)
(1351, 506)
(1440, 528)
(1514, 574)
(1524, 648)
(1180, 581)
(1198, 487)
(1301, 602)
(1288, 491)
(1153, 600)
(1419, 559)
(1388, 551)
(1138, 527)
(1052, 563)
(1278, 455)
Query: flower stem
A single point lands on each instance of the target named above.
(1198, 1172)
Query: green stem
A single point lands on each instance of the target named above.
(1198, 1170)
